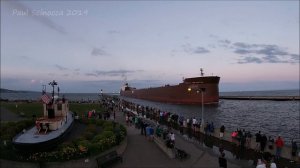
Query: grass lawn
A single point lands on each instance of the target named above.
(36, 108)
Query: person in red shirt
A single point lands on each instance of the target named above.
(279, 144)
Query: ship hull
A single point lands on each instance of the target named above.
(188, 92)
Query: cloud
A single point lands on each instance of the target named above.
(61, 68)
(264, 53)
(91, 74)
(24, 57)
(200, 50)
(224, 43)
(214, 36)
(98, 52)
(76, 71)
(113, 32)
(39, 18)
(194, 50)
(295, 57)
(46, 21)
(259, 53)
(112, 73)
(250, 59)
(51, 74)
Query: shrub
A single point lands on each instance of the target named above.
(95, 148)
(91, 128)
(84, 143)
(92, 121)
(107, 124)
(92, 142)
(88, 135)
(100, 122)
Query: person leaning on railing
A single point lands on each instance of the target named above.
(279, 144)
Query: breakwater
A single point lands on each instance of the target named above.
(274, 98)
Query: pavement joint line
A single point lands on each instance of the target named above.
(199, 158)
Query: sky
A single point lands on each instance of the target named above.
(91, 45)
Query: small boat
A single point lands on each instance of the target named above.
(50, 129)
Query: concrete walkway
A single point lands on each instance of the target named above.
(6, 115)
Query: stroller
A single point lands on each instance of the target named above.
(181, 154)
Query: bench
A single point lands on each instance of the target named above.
(108, 159)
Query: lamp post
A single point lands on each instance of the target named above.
(202, 90)
(53, 83)
(202, 102)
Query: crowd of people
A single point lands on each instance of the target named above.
(243, 139)
(191, 126)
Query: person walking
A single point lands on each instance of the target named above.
(127, 119)
(212, 128)
(172, 138)
(222, 130)
(222, 161)
(279, 144)
(206, 128)
(194, 121)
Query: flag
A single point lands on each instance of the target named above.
(45, 98)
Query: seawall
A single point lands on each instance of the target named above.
(274, 98)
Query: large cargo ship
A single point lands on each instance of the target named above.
(196, 90)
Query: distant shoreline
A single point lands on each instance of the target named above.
(2, 90)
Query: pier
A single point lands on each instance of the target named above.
(212, 140)
(273, 98)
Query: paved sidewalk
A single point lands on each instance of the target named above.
(6, 115)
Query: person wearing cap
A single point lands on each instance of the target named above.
(279, 144)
